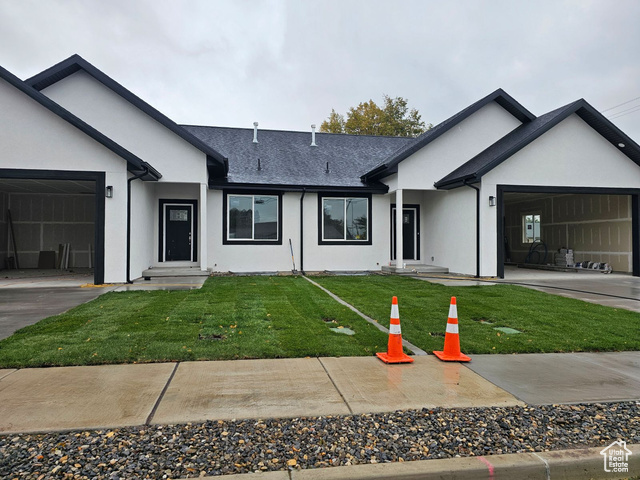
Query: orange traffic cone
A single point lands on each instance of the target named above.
(394, 352)
(452, 351)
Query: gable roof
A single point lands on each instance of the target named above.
(135, 164)
(502, 98)
(288, 162)
(75, 63)
(491, 157)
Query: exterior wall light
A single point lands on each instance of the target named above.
(109, 193)
(492, 201)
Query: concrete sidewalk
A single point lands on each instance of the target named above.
(109, 396)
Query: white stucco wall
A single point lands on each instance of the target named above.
(455, 147)
(449, 230)
(32, 137)
(143, 222)
(251, 258)
(348, 257)
(107, 112)
(572, 154)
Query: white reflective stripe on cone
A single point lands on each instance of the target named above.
(452, 328)
(453, 310)
(394, 329)
(394, 311)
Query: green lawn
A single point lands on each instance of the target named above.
(268, 317)
(229, 318)
(548, 323)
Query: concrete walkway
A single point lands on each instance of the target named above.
(74, 398)
(111, 396)
(95, 397)
(612, 290)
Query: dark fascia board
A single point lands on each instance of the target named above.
(377, 188)
(584, 110)
(499, 96)
(74, 63)
(135, 164)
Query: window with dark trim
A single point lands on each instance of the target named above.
(252, 218)
(531, 227)
(344, 220)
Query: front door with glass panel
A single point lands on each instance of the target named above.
(409, 234)
(178, 232)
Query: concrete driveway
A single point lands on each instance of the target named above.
(613, 290)
(25, 301)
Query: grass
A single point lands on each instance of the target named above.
(270, 317)
(229, 318)
(548, 323)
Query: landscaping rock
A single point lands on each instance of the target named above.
(241, 446)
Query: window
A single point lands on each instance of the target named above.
(530, 228)
(252, 218)
(345, 220)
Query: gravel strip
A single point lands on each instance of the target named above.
(240, 446)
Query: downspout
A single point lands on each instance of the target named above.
(135, 177)
(302, 231)
(477, 226)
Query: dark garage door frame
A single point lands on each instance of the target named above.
(634, 193)
(99, 179)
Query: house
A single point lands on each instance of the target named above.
(84, 161)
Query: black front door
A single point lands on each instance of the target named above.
(178, 232)
(409, 234)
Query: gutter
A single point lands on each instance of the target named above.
(135, 177)
(477, 226)
(302, 231)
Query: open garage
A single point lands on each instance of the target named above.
(583, 228)
(52, 223)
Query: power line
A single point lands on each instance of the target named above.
(631, 110)
(625, 110)
(623, 103)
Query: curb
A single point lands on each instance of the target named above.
(576, 464)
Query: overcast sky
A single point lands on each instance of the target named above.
(286, 64)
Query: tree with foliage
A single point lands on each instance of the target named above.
(393, 119)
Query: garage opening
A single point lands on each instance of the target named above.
(569, 230)
(52, 224)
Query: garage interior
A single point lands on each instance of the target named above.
(42, 216)
(597, 228)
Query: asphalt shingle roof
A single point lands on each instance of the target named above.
(287, 159)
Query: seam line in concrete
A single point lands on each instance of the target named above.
(415, 350)
(161, 396)
(336, 387)
(466, 365)
(546, 465)
(9, 374)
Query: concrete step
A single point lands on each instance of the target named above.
(174, 272)
(414, 269)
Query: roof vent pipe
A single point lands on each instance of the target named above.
(313, 136)
(255, 132)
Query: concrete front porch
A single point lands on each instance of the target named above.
(158, 272)
(413, 269)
